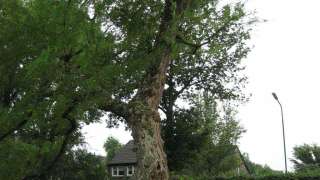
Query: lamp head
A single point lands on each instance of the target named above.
(275, 96)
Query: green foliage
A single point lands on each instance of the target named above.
(202, 139)
(215, 69)
(79, 165)
(41, 110)
(60, 60)
(263, 170)
(111, 146)
(15, 166)
(260, 170)
(270, 177)
(307, 159)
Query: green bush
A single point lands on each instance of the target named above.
(271, 177)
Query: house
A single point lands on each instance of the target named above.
(123, 164)
(243, 165)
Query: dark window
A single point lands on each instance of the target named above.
(130, 170)
(120, 171)
(114, 171)
(117, 171)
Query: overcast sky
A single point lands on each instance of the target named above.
(285, 60)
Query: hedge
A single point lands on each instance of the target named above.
(271, 177)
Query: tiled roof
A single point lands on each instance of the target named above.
(126, 155)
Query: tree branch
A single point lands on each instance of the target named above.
(17, 127)
(196, 46)
(67, 56)
(117, 107)
(162, 109)
(63, 147)
(187, 85)
(182, 40)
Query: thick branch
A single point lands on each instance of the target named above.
(117, 107)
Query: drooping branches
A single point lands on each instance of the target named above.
(72, 123)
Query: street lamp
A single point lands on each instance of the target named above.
(284, 139)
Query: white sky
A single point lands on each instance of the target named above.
(285, 60)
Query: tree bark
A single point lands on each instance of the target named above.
(144, 121)
(152, 162)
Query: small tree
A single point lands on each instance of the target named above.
(111, 146)
(306, 158)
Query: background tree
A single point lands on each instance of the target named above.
(203, 139)
(214, 67)
(306, 158)
(111, 146)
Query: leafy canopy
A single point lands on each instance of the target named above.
(60, 60)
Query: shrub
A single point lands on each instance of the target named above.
(270, 177)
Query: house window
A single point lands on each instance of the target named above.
(114, 171)
(120, 171)
(130, 170)
(117, 171)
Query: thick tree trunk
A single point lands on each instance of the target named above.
(144, 120)
(152, 163)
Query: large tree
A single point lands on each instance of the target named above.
(67, 62)
(40, 111)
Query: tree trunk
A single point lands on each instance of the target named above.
(144, 121)
(152, 163)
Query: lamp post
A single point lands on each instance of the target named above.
(283, 135)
